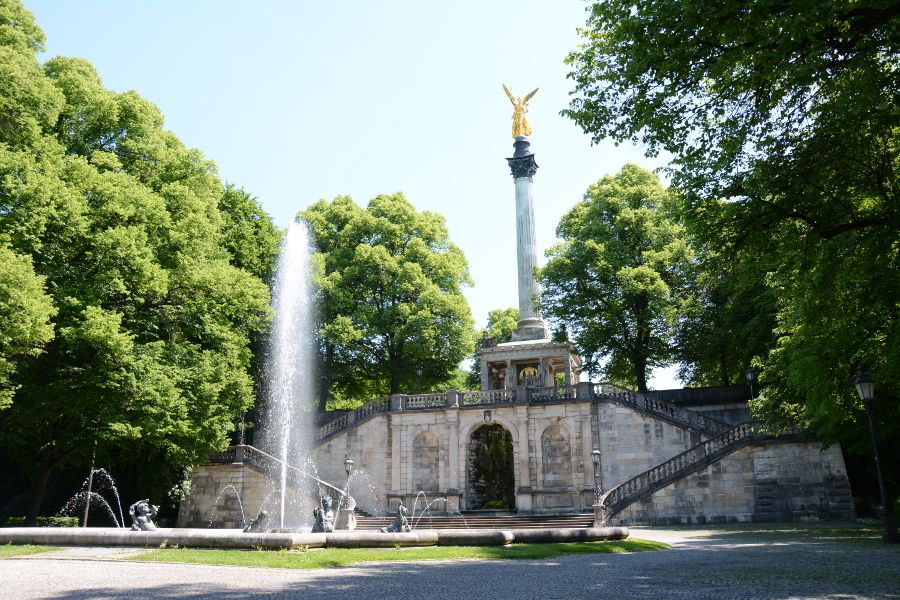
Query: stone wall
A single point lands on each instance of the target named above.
(773, 481)
(631, 442)
(212, 501)
(398, 453)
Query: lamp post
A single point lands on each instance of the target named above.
(418, 380)
(595, 458)
(599, 511)
(751, 379)
(865, 387)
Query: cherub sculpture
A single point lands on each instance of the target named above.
(400, 524)
(520, 126)
(142, 515)
(259, 523)
(324, 517)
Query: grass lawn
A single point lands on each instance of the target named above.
(10, 550)
(339, 557)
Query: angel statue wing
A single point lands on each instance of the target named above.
(509, 93)
(529, 96)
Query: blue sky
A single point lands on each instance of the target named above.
(297, 101)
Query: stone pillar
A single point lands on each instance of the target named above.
(524, 485)
(587, 439)
(523, 167)
(510, 381)
(567, 360)
(453, 482)
(396, 430)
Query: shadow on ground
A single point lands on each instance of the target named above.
(730, 563)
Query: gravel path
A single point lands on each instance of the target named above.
(702, 565)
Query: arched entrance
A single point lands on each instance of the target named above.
(491, 474)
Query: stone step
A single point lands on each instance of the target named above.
(485, 522)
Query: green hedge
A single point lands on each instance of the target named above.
(44, 522)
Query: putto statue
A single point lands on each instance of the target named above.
(400, 524)
(259, 523)
(324, 517)
(520, 126)
(142, 515)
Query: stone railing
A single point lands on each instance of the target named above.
(555, 393)
(353, 417)
(692, 460)
(425, 401)
(584, 391)
(488, 398)
(266, 463)
(667, 411)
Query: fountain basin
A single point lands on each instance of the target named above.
(235, 538)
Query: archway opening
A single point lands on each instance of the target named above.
(491, 471)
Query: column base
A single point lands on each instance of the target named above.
(531, 329)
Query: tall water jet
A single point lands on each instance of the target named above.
(287, 424)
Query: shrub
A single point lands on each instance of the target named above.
(44, 522)
(496, 505)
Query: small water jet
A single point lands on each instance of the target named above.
(234, 491)
(99, 481)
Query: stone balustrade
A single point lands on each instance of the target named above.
(584, 391)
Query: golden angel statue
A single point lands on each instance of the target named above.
(520, 107)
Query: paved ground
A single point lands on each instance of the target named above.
(703, 564)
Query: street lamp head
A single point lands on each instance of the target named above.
(595, 456)
(418, 371)
(348, 466)
(750, 375)
(865, 387)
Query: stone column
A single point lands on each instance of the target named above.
(524, 484)
(510, 381)
(396, 482)
(523, 167)
(453, 482)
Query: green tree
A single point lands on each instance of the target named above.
(501, 323)
(248, 233)
(788, 112)
(390, 282)
(611, 283)
(25, 313)
(726, 316)
(152, 305)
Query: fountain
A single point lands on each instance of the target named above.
(286, 437)
(98, 481)
(287, 423)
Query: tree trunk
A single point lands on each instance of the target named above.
(37, 493)
(325, 379)
(395, 380)
(640, 373)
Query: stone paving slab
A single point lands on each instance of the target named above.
(701, 566)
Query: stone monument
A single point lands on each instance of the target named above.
(531, 359)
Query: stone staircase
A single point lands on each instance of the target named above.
(475, 520)
(695, 459)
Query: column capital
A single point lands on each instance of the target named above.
(522, 163)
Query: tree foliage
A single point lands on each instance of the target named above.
(154, 293)
(25, 313)
(390, 281)
(788, 111)
(611, 283)
(726, 317)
